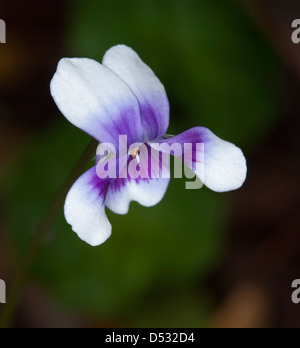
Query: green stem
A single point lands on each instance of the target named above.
(41, 232)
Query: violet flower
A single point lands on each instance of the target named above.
(123, 97)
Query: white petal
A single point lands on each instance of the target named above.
(150, 92)
(148, 193)
(85, 210)
(225, 165)
(96, 100)
(220, 165)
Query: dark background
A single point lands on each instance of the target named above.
(198, 259)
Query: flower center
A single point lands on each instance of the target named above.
(134, 152)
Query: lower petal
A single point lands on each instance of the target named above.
(148, 189)
(220, 165)
(147, 192)
(85, 209)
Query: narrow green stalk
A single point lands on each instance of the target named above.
(41, 232)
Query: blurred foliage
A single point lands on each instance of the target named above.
(218, 72)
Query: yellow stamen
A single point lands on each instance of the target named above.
(134, 152)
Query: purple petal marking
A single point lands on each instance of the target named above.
(98, 185)
(151, 167)
(154, 121)
(85, 210)
(178, 145)
(125, 125)
(147, 190)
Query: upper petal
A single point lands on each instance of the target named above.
(150, 92)
(96, 100)
(85, 209)
(224, 168)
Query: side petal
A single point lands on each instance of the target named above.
(96, 100)
(85, 209)
(224, 168)
(150, 92)
(148, 190)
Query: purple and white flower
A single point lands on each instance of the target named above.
(123, 97)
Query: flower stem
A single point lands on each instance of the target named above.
(40, 234)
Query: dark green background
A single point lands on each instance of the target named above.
(219, 72)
